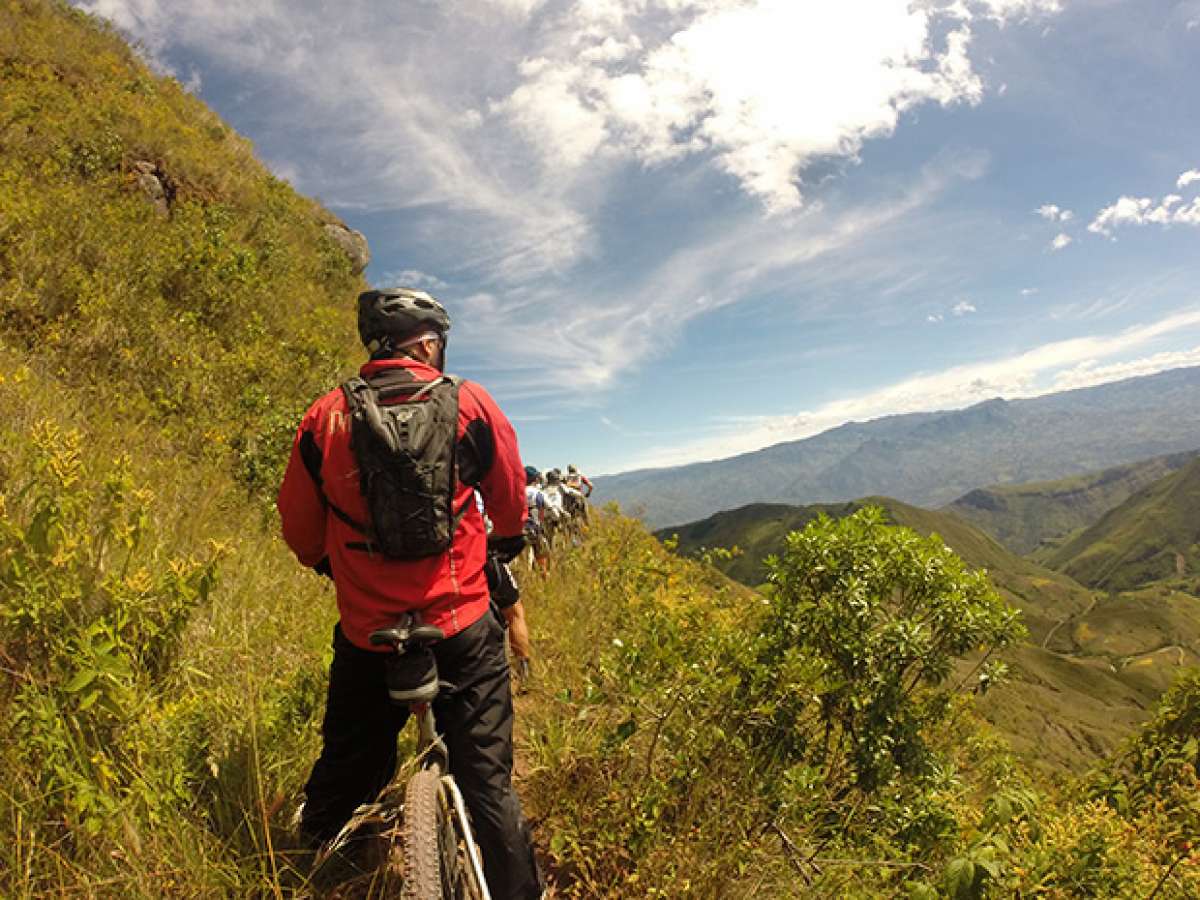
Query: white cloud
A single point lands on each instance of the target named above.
(1028, 292)
(490, 140)
(520, 8)
(1055, 366)
(1052, 213)
(935, 318)
(1136, 211)
(588, 342)
(412, 278)
(1019, 9)
(729, 80)
(1061, 240)
(963, 308)
(1090, 372)
(1187, 178)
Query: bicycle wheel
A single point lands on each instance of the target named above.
(421, 836)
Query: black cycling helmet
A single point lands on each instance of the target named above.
(397, 313)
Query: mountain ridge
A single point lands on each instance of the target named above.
(1154, 536)
(1026, 516)
(931, 459)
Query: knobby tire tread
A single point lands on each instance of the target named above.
(419, 838)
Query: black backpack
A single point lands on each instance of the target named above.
(404, 435)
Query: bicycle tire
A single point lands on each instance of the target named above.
(421, 836)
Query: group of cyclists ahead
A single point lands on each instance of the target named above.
(557, 510)
(406, 487)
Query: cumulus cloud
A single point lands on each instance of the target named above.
(1055, 366)
(1135, 211)
(730, 81)
(964, 308)
(1187, 178)
(1061, 240)
(1052, 213)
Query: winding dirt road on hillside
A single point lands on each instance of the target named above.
(1062, 622)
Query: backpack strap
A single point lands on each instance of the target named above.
(353, 390)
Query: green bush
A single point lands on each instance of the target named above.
(872, 618)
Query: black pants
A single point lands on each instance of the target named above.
(475, 720)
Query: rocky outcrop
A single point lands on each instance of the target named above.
(353, 244)
(155, 184)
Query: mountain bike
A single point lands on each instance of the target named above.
(426, 824)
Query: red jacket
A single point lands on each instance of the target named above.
(372, 591)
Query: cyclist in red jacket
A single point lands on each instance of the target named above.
(322, 508)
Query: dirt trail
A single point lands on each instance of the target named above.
(523, 700)
(1071, 618)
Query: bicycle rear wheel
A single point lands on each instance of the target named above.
(422, 836)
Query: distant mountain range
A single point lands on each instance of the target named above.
(931, 459)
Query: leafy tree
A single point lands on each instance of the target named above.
(882, 613)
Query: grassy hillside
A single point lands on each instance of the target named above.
(646, 779)
(1023, 516)
(212, 311)
(164, 656)
(1153, 536)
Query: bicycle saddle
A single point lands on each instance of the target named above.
(404, 635)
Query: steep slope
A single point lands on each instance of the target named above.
(931, 459)
(1023, 516)
(1153, 536)
(1092, 664)
(166, 308)
(148, 258)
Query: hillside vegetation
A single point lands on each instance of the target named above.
(165, 658)
(672, 753)
(1093, 663)
(206, 312)
(1153, 536)
(1024, 516)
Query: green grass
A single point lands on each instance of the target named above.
(1025, 516)
(1153, 536)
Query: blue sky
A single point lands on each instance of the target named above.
(673, 230)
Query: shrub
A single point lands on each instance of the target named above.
(873, 616)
